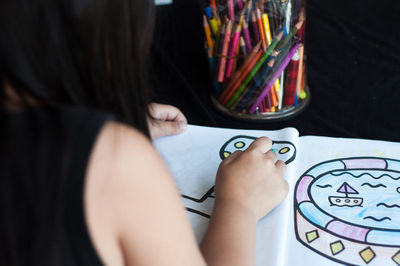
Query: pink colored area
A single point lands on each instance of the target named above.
(301, 193)
(365, 163)
(349, 231)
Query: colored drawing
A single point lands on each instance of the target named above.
(285, 151)
(348, 210)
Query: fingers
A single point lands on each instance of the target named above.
(271, 156)
(281, 166)
(262, 145)
(167, 128)
(232, 156)
(166, 113)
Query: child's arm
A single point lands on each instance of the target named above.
(249, 185)
(135, 215)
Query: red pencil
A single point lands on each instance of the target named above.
(240, 74)
(212, 3)
(224, 54)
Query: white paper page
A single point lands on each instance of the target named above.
(162, 2)
(348, 195)
(193, 159)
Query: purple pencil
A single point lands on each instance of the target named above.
(246, 35)
(239, 4)
(274, 77)
(255, 27)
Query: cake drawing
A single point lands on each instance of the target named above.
(348, 210)
(202, 206)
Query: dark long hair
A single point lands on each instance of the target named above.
(85, 53)
(89, 53)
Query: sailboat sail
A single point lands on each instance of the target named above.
(346, 189)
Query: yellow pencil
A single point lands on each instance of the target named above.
(267, 29)
(300, 70)
(268, 37)
(207, 31)
(214, 26)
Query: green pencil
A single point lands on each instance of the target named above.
(254, 71)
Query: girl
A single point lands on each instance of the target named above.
(80, 181)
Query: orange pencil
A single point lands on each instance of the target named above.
(212, 3)
(242, 77)
(224, 54)
(273, 98)
(207, 31)
(261, 29)
(238, 74)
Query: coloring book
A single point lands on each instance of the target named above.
(343, 206)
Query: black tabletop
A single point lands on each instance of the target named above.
(353, 69)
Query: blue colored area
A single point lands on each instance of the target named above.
(384, 237)
(314, 214)
(325, 167)
(393, 165)
(377, 189)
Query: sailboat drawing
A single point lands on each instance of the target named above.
(346, 189)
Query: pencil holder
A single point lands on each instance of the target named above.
(257, 57)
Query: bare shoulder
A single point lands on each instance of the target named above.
(130, 198)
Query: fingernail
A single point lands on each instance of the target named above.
(183, 126)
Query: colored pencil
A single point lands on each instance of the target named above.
(267, 29)
(256, 83)
(300, 70)
(231, 10)
(239, 4)
(240, 74)
(253, 70)
(244, 74)
(261, 29)
(246, 35)
(216, 16)
(214, 26)
(271, 16)
(274, 77)
(255, 27)
(224, 53)
(208, 11)
(233, 51)
(243, 47)
(207, 31)
(213, 4)
(248, 11)
(261, 5)
(210, 58)
(251, 74)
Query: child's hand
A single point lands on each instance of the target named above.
(252, 179)
(167, 120)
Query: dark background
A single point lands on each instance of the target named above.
(353, 65)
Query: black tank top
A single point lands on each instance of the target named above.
(42, 185)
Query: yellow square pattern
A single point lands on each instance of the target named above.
(396, 258)
(336, 247)
(367, 255)
(312, 235)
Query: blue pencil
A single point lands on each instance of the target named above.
(257, 81)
